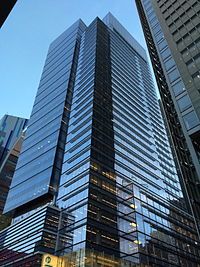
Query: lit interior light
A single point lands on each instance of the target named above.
(137, 242)
(133, 224)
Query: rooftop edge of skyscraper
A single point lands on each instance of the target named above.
(112, 22)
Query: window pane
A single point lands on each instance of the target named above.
(169, 64)
(190, 120)
(159, 36)
(184, 103)
(173, 75)
(162, 45)
(156, 29)
(154, 21)
(165, 54)
(178, 88)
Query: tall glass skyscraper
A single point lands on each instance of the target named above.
(96, 183)
(172, 30)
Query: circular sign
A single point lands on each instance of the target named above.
(48, 259)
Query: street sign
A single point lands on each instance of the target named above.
(49, 260)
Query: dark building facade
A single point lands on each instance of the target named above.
(11, 137)
(5, 9)
(172, 30)
(96, 184)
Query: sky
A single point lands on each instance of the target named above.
(31, 27)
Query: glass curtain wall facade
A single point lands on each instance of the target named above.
(41, 156)
(118, 196)
(171, 30)
(21, 242)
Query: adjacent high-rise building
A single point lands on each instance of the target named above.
(6, 8)
(172, 32)
(11, 128)
(96, 184)
(11, 132)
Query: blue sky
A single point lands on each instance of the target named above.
(27, 33)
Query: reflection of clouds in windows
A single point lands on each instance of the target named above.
(79, 234)
(128, 247)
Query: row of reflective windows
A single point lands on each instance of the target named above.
(123, 114)
(73, 144)
(135, 86)
(64, 59)
(52, 54)
(45, 98)
(53, 104)
(130, 143)
(21, 194)
(120, 101)
(124, 89)
(61, 69)
(136, 157)
(55, 96)
(116, 39)
(24, 241)
(149, 175)
(39, 135)
(58, 78)
(65, 36)
(36, 165)
(36, 150)
(137, 130)
(133, 133)
(129, 69)
(45, 121)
